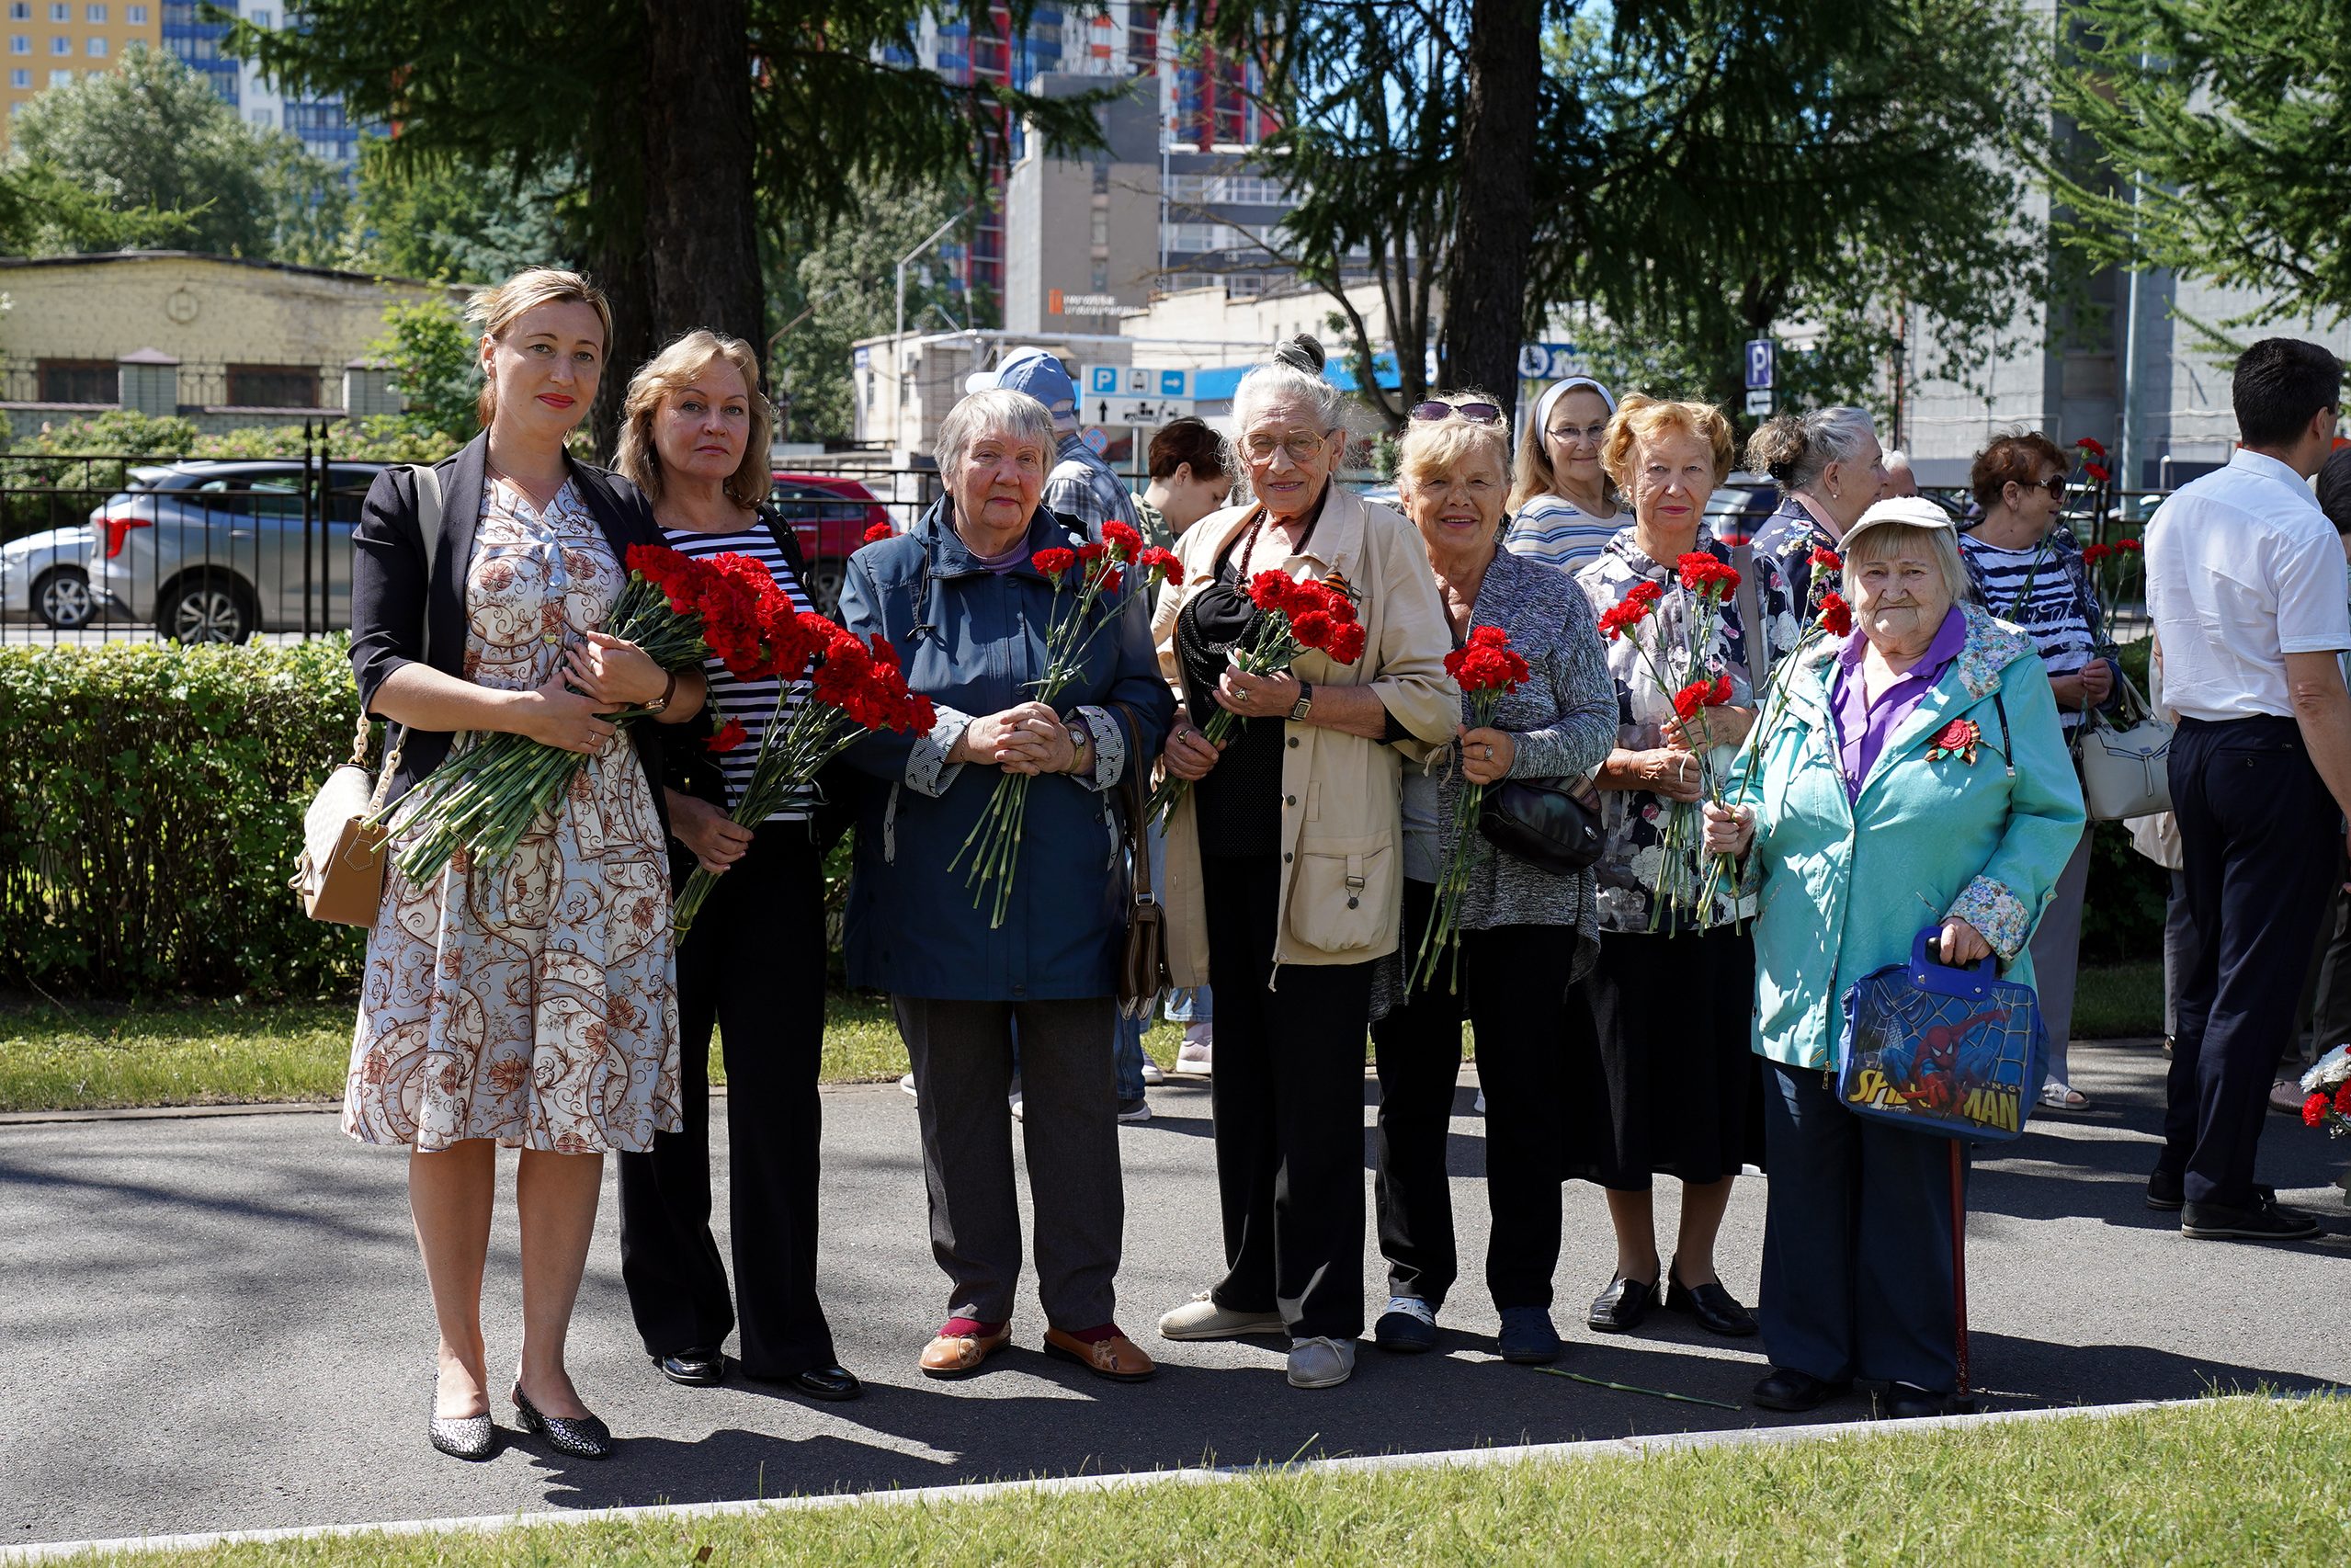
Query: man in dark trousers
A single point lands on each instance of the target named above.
(2247, 587)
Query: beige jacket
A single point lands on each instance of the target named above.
(1342, 896)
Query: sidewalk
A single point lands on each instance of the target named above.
(220, 1323)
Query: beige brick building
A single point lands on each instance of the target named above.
(51, 43)
(225, 341)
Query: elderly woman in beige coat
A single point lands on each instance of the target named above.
(1292, 833)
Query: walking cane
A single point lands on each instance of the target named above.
(1960, 1255)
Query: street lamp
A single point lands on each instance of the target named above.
(898, 335)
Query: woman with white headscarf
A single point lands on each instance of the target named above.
(1563, 507)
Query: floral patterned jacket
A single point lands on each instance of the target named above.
(1973, 810)
(1636, 820)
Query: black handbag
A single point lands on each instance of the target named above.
(1542, 823)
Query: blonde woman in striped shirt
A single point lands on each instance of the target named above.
(1563, 509)
(694, 438)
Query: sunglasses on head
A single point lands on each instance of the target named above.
(1437, 408)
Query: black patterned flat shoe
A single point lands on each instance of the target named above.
(473, 1437)
(582, 1437)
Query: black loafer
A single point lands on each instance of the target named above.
(1906, 1402)
(2164, 1190)
(470, 1438)
(2267, 1220)
(695, 1369)
(1717, 1311)
(1788, 1389)
(832, 1383)
(1620, 1307)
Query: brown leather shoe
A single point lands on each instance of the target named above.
(960, 1355)
(1117, 1358)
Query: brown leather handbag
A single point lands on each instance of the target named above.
(1142, 966)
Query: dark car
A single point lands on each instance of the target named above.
(1738, 508)
(830, 516)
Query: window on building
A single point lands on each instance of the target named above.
(61, 78)
(272, 386)
(1101, 283)
(59, 11)
(20, 44)
(95, 49)
(94, 13)
(61, 46)
(260, 117)
(20, 10)
(20, 78)
(258, 18)
(136, 16)
(78, 380)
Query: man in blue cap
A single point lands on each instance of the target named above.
(1084, 487)
(1081, 486)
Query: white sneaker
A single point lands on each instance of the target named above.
(1194, 1057)
(1320, 1363)
(1151, 1074)
(907, 1084)
(1201, 1318)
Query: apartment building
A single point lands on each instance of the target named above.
(52, 43)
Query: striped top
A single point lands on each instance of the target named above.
(1556, 531)
(2032, 590)
(751, 702)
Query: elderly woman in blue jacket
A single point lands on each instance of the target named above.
(959, 597)
(1916, 776)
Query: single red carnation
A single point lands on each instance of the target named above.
(2343, 1099)
(2097, 472)
(879, 531)
(731, 734)
(1091, 553)
(1311, 629)
(2095, 553)
(1719, 692)
(1270, 590)
(2315, 1110)
(1346, 644)
(1124, 542)
(1825, 560)
(1837, 616)
(1489, 637)
(1691, 697)
(1054, 563)
(2090, 445)
(1162, 562)
(1645, 593)
(2132, 545)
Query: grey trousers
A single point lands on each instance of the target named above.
(2057, 955)
(962, 1058)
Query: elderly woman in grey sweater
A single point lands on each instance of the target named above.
(1526, 934)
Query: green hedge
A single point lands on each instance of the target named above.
(150, 803)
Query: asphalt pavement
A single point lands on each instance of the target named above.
(220, 1322)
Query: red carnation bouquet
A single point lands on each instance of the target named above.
(678, 612)
(1295, 614)
(1084, 576)
(1487, 668)
(1676, 656)
(855, 686)
(2327, 1092)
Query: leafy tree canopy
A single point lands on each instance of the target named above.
(2218, 133)
(459, 222)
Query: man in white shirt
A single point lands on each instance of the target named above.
(2246, 584)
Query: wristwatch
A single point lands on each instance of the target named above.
(1305, 700)
(661, 702)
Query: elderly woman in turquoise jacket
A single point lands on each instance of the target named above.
(1915, 777)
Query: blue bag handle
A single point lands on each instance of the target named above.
(1930, 973)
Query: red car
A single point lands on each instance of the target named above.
(830, 515)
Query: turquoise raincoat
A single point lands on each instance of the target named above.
(1846, 885)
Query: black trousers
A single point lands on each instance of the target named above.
(1513, 988)
(1289, 1098)
(2259, 833)
(753, 965)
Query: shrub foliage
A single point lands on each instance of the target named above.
(151, 804)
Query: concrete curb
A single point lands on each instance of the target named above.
(1608, 1448)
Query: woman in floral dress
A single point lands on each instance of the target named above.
(1672, 1082)
(529, 1004)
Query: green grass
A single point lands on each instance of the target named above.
(97, 1056)
(2118, 1000)
(2229, 1481)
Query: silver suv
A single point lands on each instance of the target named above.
(213, 550)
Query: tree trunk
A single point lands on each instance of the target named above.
(700, 240)
(1485, 305)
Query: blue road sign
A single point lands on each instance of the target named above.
(1762, 353)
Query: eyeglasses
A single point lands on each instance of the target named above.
(1592, 433)
(1437, 408)
(1300, 445)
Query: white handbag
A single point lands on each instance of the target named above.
(2124, 769)
(340, 875)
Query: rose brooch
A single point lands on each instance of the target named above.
(1960, 739)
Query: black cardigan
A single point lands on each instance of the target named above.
(390, 600)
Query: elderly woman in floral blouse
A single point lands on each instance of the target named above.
(1670, 1079)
